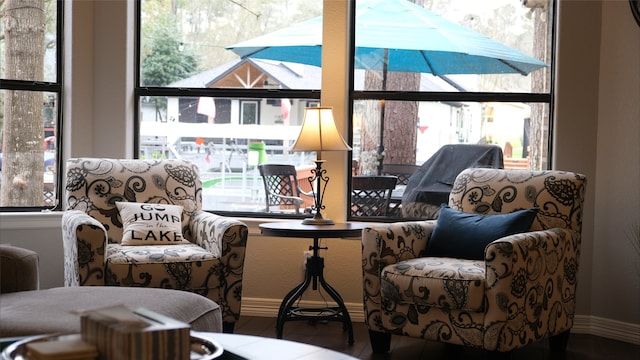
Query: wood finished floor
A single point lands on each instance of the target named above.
(330, 335)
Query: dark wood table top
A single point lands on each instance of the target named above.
(298, 229)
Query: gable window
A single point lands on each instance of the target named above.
(249, 113)
(30, 98)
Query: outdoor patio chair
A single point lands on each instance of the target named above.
(281, 188)
(371, 195)
(402, 171)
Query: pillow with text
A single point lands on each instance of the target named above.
(151, 224)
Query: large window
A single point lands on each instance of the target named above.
(225, 84)
(30, 93)
(200, 100)
(430, 73)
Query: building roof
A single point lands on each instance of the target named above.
(284, 75)
(251, 72)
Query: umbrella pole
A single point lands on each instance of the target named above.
(384, 88)
(381, 137)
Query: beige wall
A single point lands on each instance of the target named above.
(597, 132)
(616, 267)
(576, 116)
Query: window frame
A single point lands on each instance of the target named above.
(55, 87)
(353, 95)
(390, 95)
(242, 94)
(244, 111)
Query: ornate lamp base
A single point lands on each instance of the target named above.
(318, 220)
(321, 184)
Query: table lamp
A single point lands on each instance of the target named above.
(319, 133)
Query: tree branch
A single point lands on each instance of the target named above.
(245, 8)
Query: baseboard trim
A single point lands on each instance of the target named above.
(583, 324)
(607, 328)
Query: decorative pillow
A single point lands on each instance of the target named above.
(151, 224)
(465, 235)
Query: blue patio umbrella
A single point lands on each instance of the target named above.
(401, 36)
(396, 35)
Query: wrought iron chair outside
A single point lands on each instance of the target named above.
(371, 195)
(402, 171)
(281, 187)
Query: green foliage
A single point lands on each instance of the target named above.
(206, 27)
(165, 60)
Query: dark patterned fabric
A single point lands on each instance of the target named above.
(211, 265)
(522, 291)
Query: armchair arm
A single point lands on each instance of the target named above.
(217, 234)
(531, 280)
(386, 244)
(18, 269)
(227, 239)
(84, 239)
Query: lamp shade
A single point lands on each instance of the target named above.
(319, 132)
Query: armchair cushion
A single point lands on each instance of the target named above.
(441, 282)
(464, 235)
(151, 224)
(118, 254)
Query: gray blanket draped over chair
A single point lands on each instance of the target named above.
(430, 185)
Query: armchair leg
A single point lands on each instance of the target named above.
(558, 343)
(380, 342)
(227, 327)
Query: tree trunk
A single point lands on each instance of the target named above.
(538, 133)
(400, 129)
(23, 129)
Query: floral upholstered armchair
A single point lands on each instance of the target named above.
(188, 249)
(431, 279)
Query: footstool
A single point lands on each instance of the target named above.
(56, 310)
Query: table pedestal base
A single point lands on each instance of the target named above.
(313, 274)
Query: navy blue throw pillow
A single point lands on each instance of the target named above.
(465, 235)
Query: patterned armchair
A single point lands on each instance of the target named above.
(522, 290)
(210, 263)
